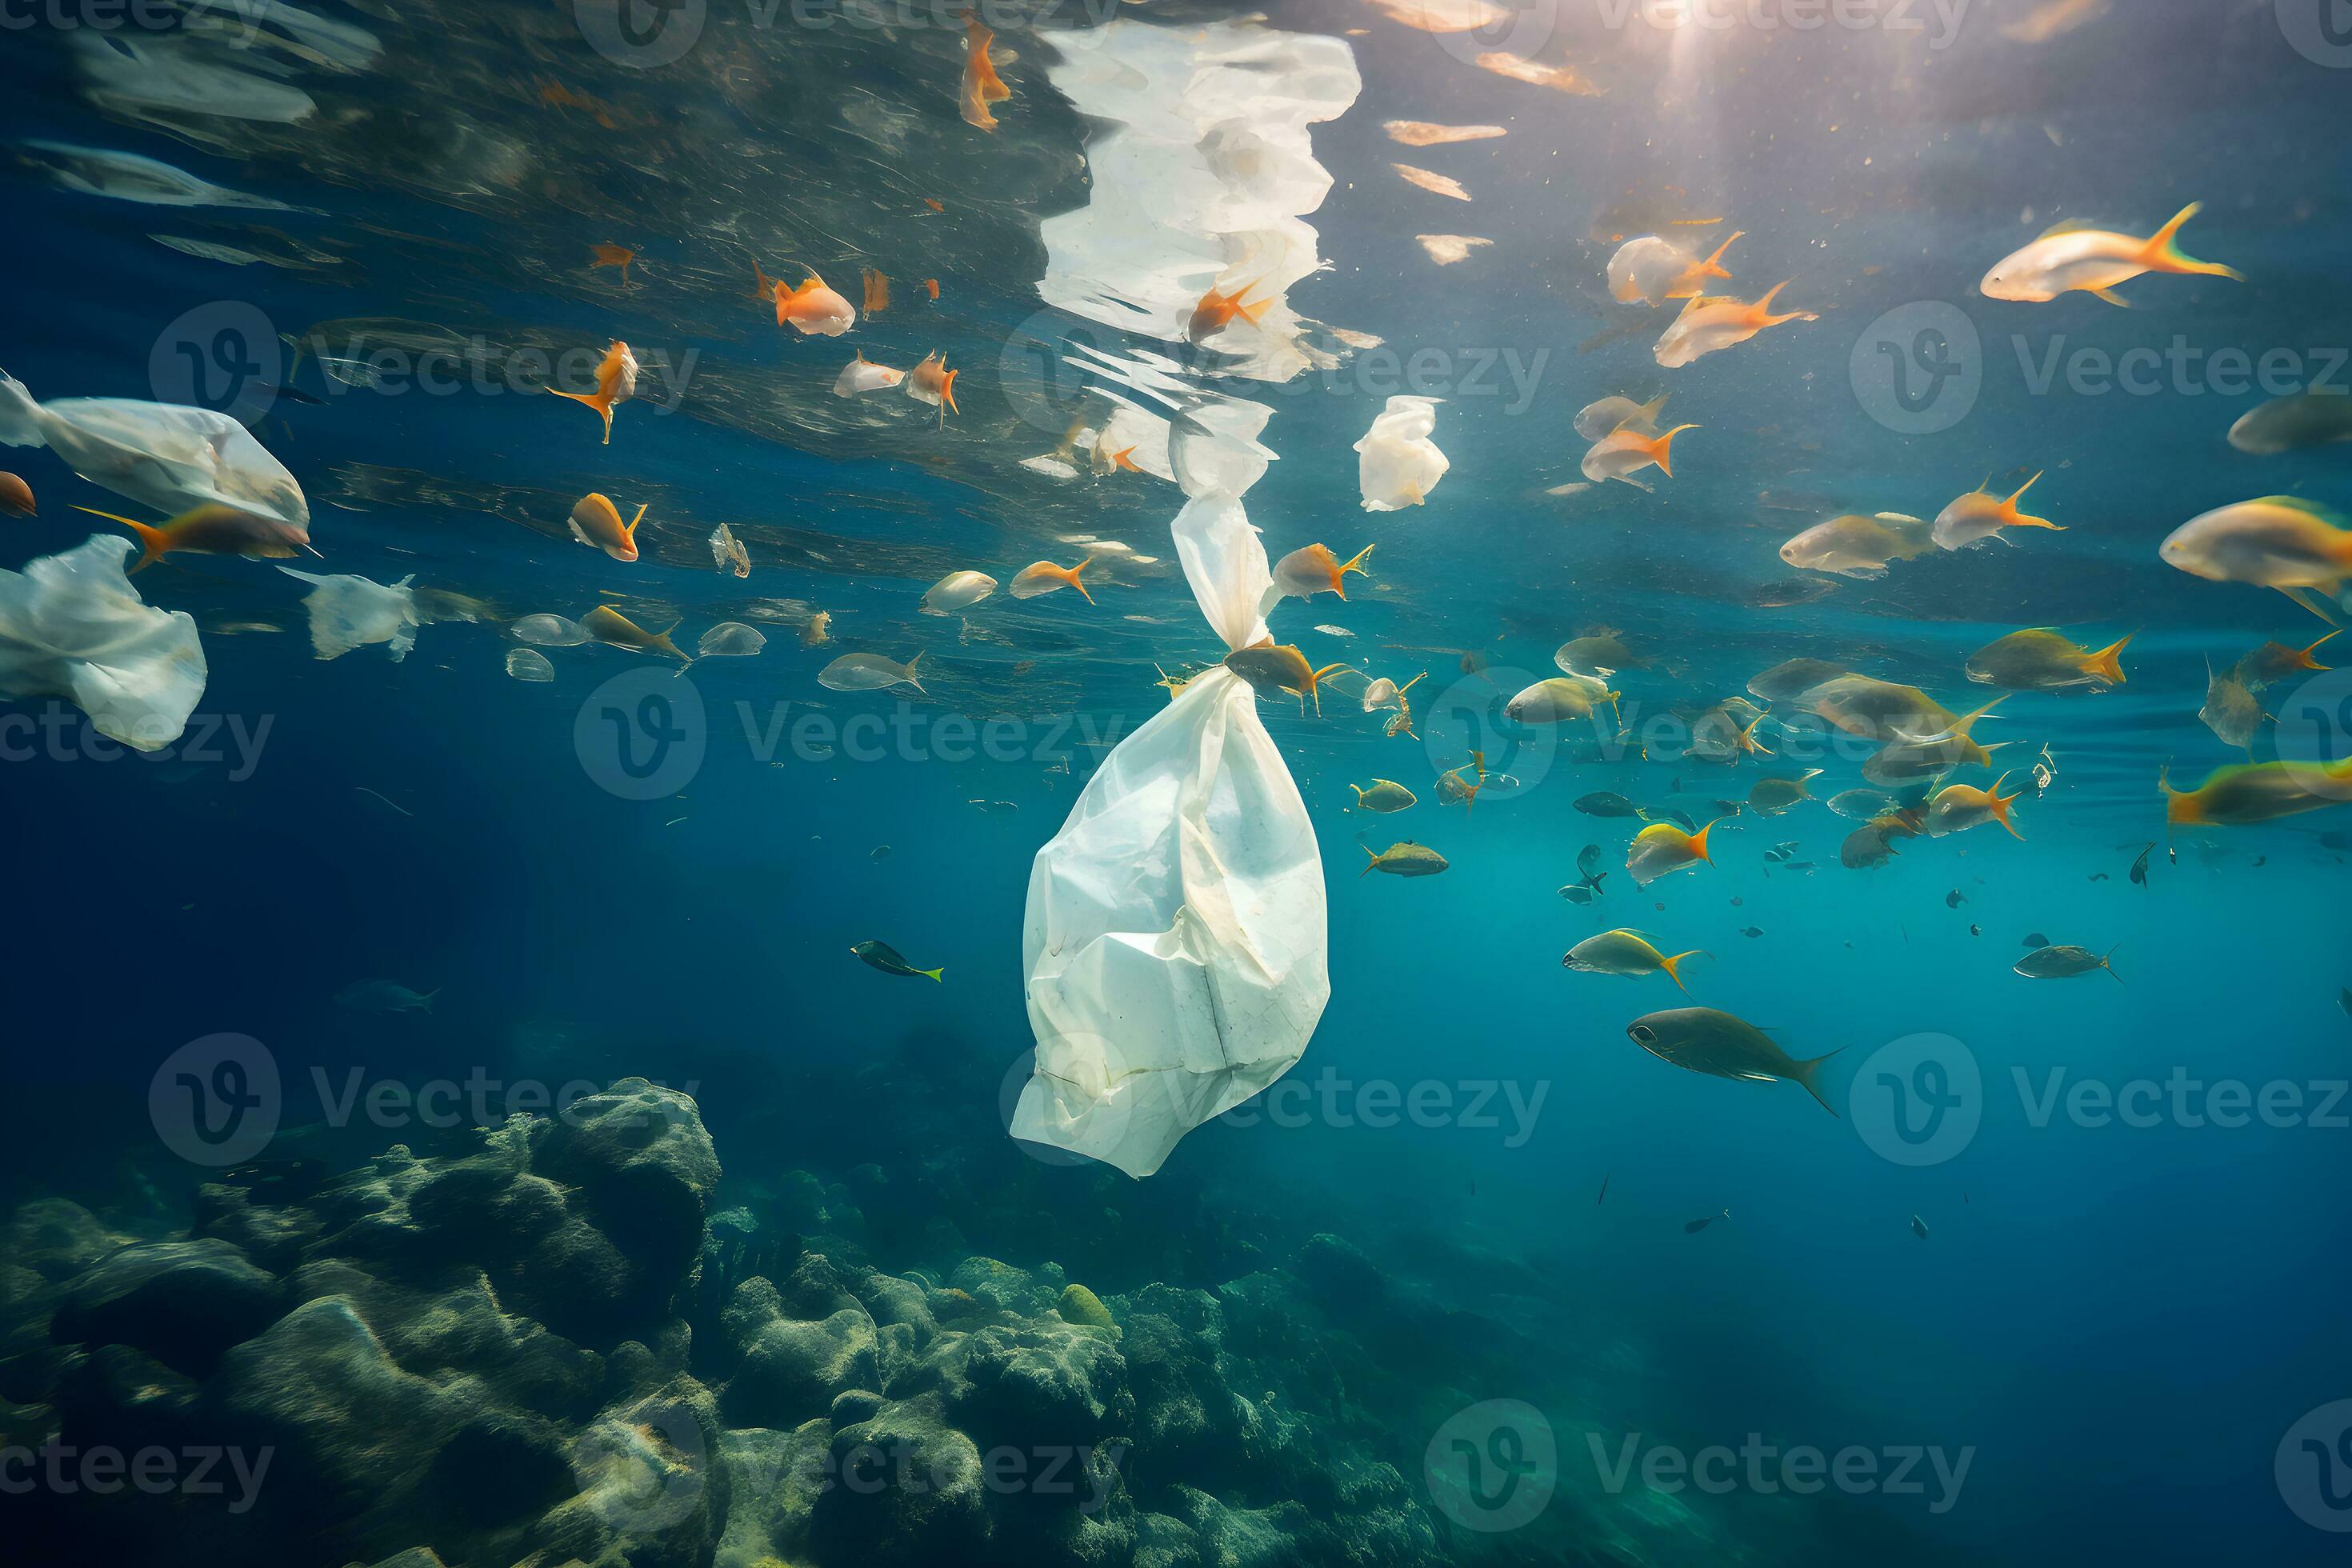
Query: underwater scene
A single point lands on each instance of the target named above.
(1062, 784)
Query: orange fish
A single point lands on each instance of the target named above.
(618, 256)
(982, 85)
(934, 383)
(17, 499)
(1303, 574)
(616, 382)
(935, 204)
(1270, 667)
(214, 530)
(1045, 577)
(877, 292)
(814, 307)
(1214, 310)
(596, 520)
(1105, 462)
(931, 287)
(555, 95)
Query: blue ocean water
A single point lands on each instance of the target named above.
(2128, 1329)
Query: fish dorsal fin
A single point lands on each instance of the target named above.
(2308, 507)
(2068, 226)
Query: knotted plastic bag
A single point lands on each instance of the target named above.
(348, 612)
(1397, 464)
(173, 458)
(71, 626)
(1176, 937)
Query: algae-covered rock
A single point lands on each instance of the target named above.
(1080, 1305)
(907, 1493)
(182, 1302)
(789, 1369)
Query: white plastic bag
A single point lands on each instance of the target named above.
(1397, 464)
(172, 458)
(71, 626)
(1176, 938)
(348, 612)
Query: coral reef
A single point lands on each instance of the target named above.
(556, 1347)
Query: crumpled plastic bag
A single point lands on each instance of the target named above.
(1176, 940)
(170, 456)
(1398, 463)
(71, 626)
(348, 612)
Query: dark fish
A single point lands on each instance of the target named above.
(1605, 1192)
(1794, 592)
(1737, 902)
(1976, 931)
(881, 955)
(290, 393)
(284, 1180)
(2037, 940)
(2139, 867)
(2101, 877)
(1587, 861)
(1751, 932)
(1601, 803)
(1919, 1227)
(2344, 1001)
(1684, 819)
(881, 853)
(1955, 898)
(1699, 1225)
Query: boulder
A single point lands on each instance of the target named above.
(182, 1302)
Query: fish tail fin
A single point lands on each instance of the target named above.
(630, 533)
(1698, 843)
(1071, 577)
(2164, 253)
(2306, 599)
(947, 394)
(1315, 685)
(1808, 1075)
(1356, 564)
(154, 542)
(1967, 724)
(1372, 858)
(2001, 804)
(1657, 405)
(1713, 266)
(1673, 967)
(425, 1001)
(1662, 449)
(1764, 316)
(1359, 793)
(2107, 663)
(934, 973)
(1417, 680)
(595, 400)
(1748, 741)
(1250, 310)
(911, 680)
(2013, 518)
(2181, 809)
(2304, 660)
(2108, 963)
